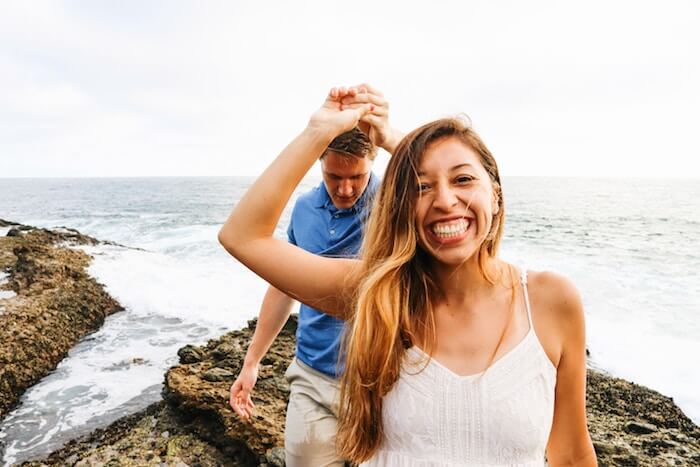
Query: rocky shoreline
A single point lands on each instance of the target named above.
(51, 304)
(193, 425)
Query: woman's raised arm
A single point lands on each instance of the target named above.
(248, 232)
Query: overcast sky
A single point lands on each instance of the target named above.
(160, 88)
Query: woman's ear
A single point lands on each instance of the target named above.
(496, 197)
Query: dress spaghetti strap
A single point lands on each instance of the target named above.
(523, 281)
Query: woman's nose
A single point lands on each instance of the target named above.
(445, 197)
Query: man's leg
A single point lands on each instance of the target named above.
(311, 423)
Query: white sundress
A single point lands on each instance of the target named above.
(502, 417)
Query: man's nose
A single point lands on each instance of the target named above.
(345, 188)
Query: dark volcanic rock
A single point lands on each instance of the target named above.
(154, 437)
(190, 354)
(56, 303)
(641, 428)
(201, 389)
(634, 425)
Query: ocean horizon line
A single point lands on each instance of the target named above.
(560, 177)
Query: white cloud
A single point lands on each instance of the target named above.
(176, 88)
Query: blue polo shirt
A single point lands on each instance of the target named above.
(319, 227)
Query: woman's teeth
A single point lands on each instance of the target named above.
(451, 229)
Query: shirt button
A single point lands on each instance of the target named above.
(332, 232)
(336, 216)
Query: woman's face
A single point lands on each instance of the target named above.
(456, 202)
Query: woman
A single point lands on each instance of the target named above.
(454, 357)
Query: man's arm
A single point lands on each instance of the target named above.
(274, 312)
(375, 124)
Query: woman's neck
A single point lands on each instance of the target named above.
(465, 282)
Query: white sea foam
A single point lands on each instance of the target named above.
(634, 329)
(213, 291)
(5, 293)
(634, 350)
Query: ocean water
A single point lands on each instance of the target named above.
(632, 246)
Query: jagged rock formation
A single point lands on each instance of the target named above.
(55, 303)
(633, 425)
(157, 436)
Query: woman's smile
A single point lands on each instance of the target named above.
(449, 231)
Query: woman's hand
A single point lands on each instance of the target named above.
(374, 123)
(334, 118)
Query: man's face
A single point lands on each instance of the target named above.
(346, 177)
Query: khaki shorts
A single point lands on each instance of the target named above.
(311, 423)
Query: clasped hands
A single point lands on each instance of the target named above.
(363, 106)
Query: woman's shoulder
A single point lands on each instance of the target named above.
(557, 309)
(555, 289)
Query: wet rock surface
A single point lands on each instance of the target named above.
(53, 303)
(632, 425)
(200, 386)
(157, 436)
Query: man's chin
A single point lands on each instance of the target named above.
(344, 203)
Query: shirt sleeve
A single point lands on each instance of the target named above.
(290, 235)
(290, 228)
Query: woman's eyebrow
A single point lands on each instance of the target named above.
(452, 169)
(461, 166)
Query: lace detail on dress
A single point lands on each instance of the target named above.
(501, 417)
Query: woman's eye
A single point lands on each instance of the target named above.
(422, 187)
(464, 179)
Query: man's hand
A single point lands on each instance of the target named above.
(241, 389)
(375, 123)
(333, 118)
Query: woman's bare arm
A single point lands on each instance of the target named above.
(569, 441)
(248, 232)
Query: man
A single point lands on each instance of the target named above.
(326, 221)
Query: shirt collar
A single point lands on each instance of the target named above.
(323, 199)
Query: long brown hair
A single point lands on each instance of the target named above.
(394, 305)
